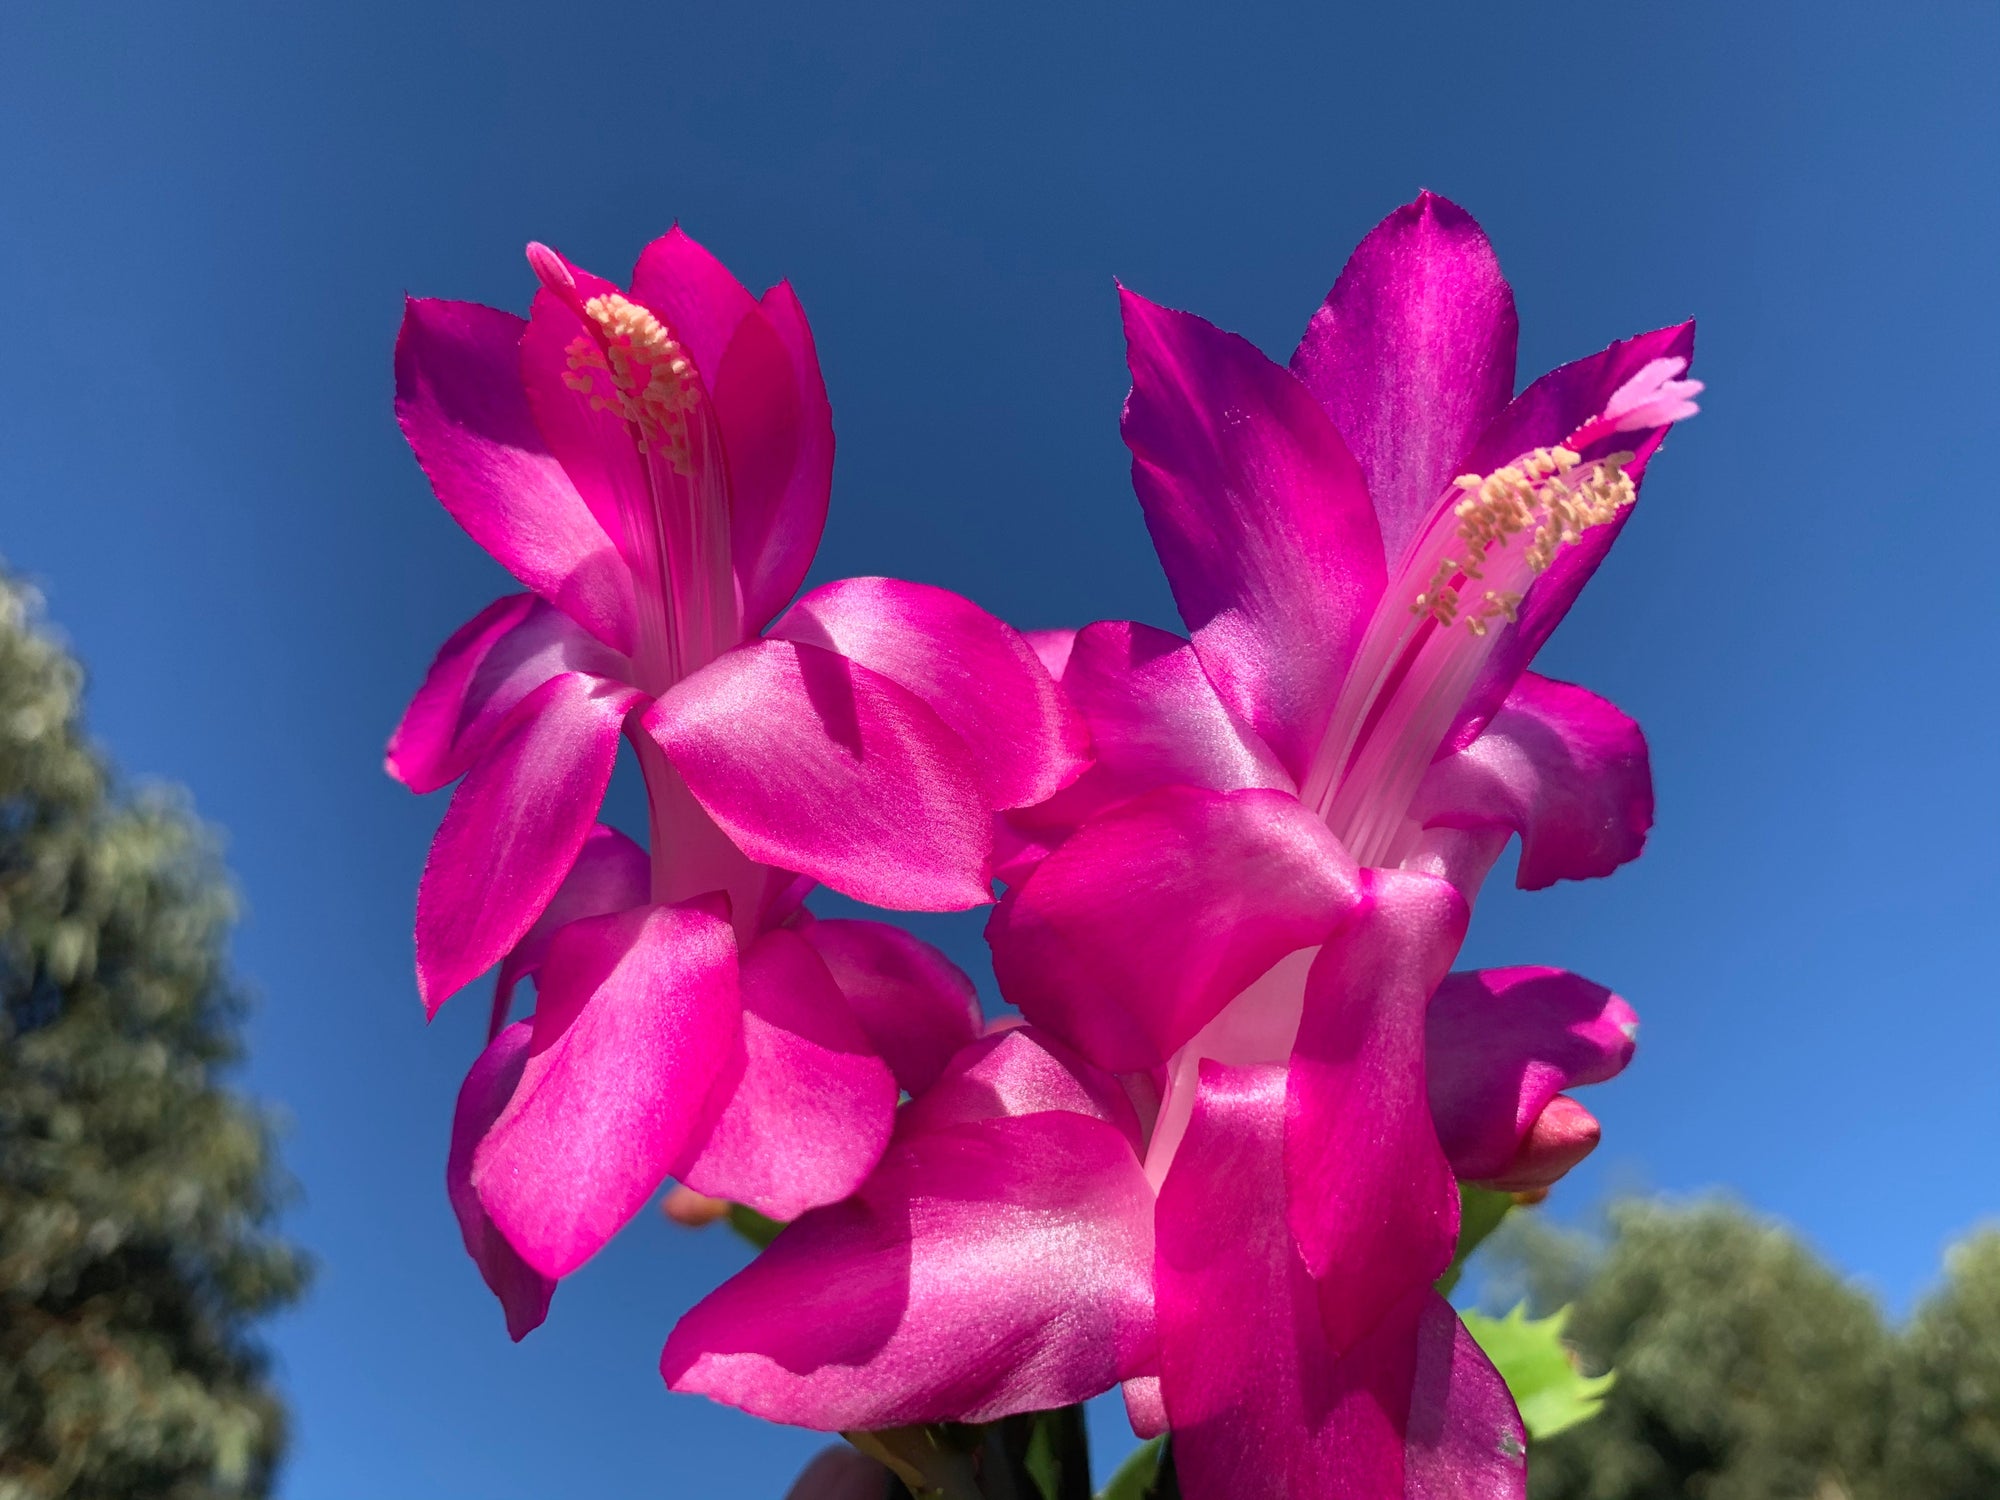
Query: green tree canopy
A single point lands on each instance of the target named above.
(136, 1192)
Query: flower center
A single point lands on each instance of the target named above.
(1486, 541)
(675, 513)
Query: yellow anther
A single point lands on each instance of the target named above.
(1540, 494)
(640, 372)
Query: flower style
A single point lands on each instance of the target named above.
(1245, 910)
(654, 464)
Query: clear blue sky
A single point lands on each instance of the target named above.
(209, 214)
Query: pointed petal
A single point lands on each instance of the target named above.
(1502, 1044)
(811, 1111)
(1021, 1071)
(1262, 1407)
(1559, 766)
(1155, 720)
(1261, 519)
(985, 1269)
(611, 873)
(1372, 1203)
(637, 1015)
(524, 1292)
(916, 1005)
(973, 670)
(778, 431)
(1412, 355)
(514, 827)
(1052, 646)
(814, 763)
(594, 443)
(1147, 921)
(1545, 413)
(460, 402)
(491, 663)
(694, 294)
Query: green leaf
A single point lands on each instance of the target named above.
(1553, 1394)
(752, 1225)
(1480, 1211)
(1134, 1479)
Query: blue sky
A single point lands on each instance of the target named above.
(208, 217)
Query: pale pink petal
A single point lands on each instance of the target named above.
(611, 873)
(636, 1017)
(1372, 1201)
(1563, 1135)
(1261, 519)
(811, 1110)
(1136, 932)
(524, 1292)
(916, 1005)
(1412, 355)
(1544, 414)
(814, 763)
(1262, 1405)
(974, 671)
(990, 1267)
(491, 663)
(1557, 765)
(514, 827)
(461, 405)
(1052, 646)
(1503, 1044)
(1145, 1406)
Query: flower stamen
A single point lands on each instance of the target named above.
(648, 378)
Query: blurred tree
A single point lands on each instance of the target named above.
(1747, 1369)
(136, 1194)
(1944, 1441)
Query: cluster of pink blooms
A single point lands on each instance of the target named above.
(1217, 1160)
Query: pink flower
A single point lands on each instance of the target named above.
(1243, 910)
(654, 464)
(1011, 1254)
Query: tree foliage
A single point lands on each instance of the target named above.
(1747, 1369)
(136, 1192)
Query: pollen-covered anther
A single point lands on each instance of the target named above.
(638, 370)
(1549, 496)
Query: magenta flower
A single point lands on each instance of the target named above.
(1242, 912)
(654, 464)
(1011, 1254)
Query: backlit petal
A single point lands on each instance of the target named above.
(916, 1005)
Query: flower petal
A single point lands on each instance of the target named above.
(1412, 355)
(1372, 1201)
(1154, 720)
(1559, 766)
(916, 1005)
(1545, 413)
(986, 1268)
(1262, 1405)
(816, 764)
(514, 827)
(1021, 1070)
(611, 873)
(973, 670)
(1261, 519)
(637, 1016)
(840, 1473)
(1502, 1044)
(461, 405)
(694, 294)
(523, 1291)
(778, 430)
(811, 1110)
(1136, 932)
(491, 663)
